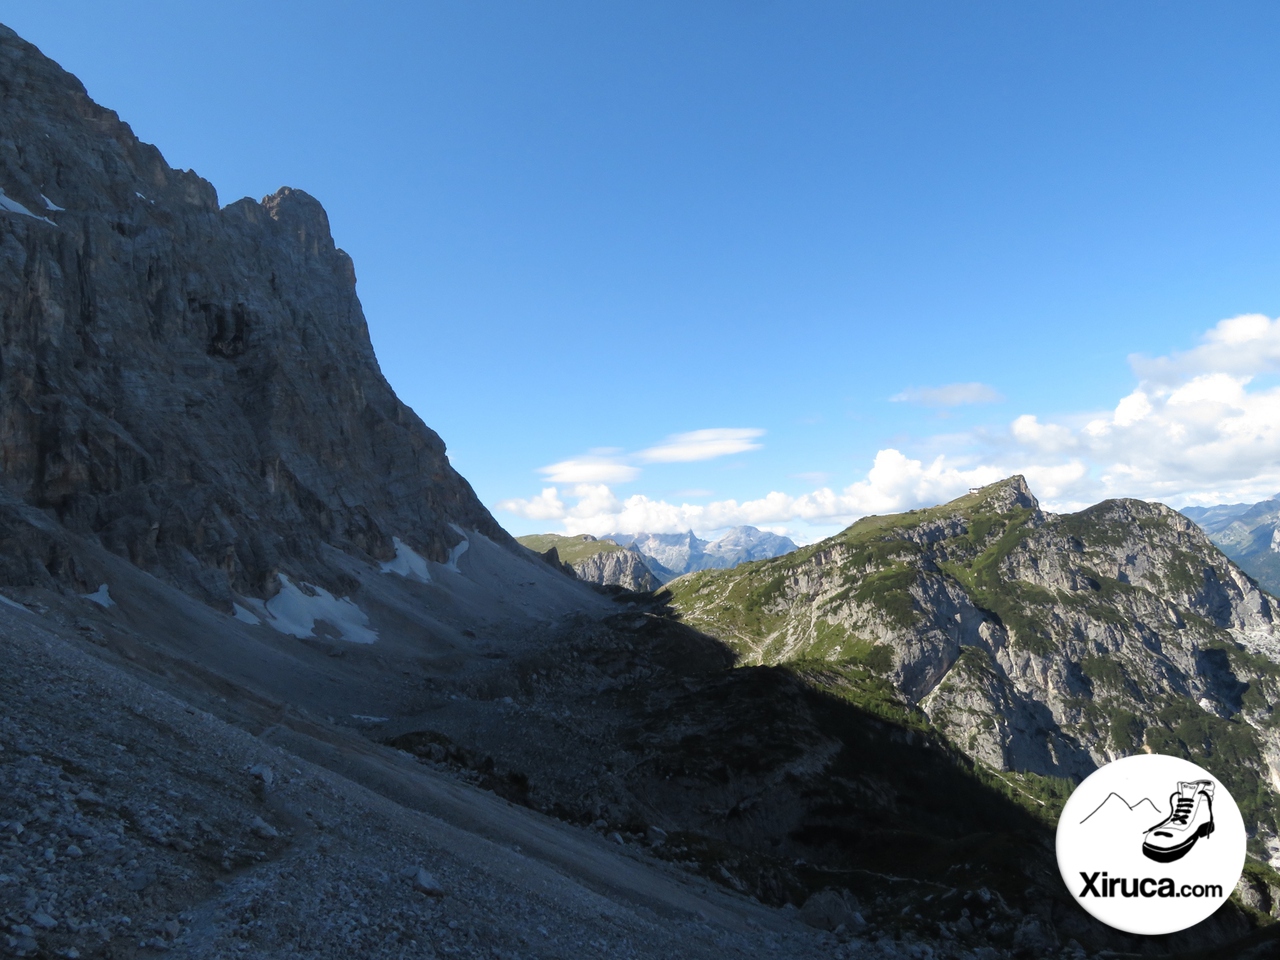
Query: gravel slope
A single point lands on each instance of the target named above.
(135, 824)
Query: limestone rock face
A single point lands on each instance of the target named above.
(625, 568)
(1035, 643)
(192, 386)
(598, 560)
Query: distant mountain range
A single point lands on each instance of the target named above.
(1247, 533)
(670, 555)
(643, 561)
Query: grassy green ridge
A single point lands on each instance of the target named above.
(875, 566)
(571, 550)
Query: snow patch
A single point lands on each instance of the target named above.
(459, 549)
(141, 197)
(295, 611)
(13, 206)
(408, 563)
(245, 615)
(13, 603)
(364, 719)
(101, 596)
(50, 205)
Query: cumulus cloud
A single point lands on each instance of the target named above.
(1195, 428)
(546, 506)
(702, 445)
(894, 482)
(1240, 346)
(1211, 431)
(1046, 437)
(949, 395)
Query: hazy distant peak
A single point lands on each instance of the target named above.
(673, 554)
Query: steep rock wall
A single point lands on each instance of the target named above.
(192, 386)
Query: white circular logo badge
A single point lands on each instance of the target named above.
(1151, 844)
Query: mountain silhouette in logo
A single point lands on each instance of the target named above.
(1117, 808)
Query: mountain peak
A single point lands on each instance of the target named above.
(1005, 495)
(302, 215)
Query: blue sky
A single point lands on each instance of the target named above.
(665, 265)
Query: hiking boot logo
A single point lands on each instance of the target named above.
(1126, 857)
(1190, 818)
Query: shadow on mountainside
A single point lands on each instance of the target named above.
(779, 783)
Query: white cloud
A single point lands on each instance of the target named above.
(949, 395)
(702, 445)
(894, 482)
(1194, 429)
(610, 465)
(545, 506)
(1209, 431)
(1241, 346)
(1047, 437)
(590, 469)
(594, 500)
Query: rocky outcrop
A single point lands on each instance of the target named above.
(190, 385)
(624, 568)
(595, 560)
(551, 557)
(1036, 643)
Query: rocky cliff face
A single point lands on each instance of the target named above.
(192, 386)
(1036, 643)
(593, 560)
(624, 568)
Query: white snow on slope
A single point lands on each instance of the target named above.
(101, 596)
(295, 612)
(408, 563)
(13, 603)
(458, 550)
(245, 615)
(50, 205)
(13, 206)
